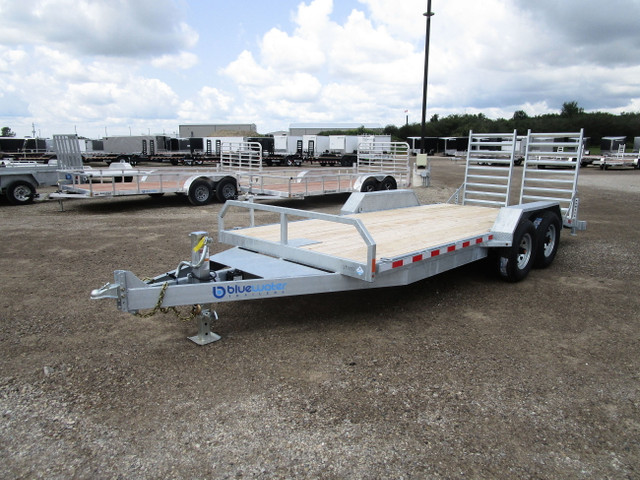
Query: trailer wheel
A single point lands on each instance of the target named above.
(369, 185)
(200, 192)
(226, 189)
(547, 239)
(20, 193)
(388, 183)
(515, 262)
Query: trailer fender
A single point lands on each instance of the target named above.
(509, 218)
(368, 183)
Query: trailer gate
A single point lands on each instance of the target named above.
(487, 177)
(550, 172)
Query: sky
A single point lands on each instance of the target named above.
(121, 67)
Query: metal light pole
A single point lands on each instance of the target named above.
(428, 14)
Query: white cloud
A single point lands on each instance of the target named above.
(124, 63)
(102, 27)
(180, 61)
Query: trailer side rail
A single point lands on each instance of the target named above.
(550, 172)
(489, 169)
(123, 181)
(298, 185)
(287, 247)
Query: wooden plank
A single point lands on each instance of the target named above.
(396, 232)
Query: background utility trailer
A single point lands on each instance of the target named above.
(120, 179)
(19, 180)
(379, 166)
(381, 239)
(618, 159)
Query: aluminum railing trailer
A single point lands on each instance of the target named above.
(379, 166)
(200, 186)
(380, 239)
(619, 159)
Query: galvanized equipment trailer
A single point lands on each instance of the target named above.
(381, 239)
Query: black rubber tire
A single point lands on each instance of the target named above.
(348, 160)
(548, 227)
(200, 192)
(369, 185)
(515, 262)
(389, 183)
(20, 193)
(226, 189)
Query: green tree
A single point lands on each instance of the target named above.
(6, 132)
(519, 115)
(571, 109)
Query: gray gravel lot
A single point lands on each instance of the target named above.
(457, 376)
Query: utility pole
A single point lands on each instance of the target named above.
(423, 132)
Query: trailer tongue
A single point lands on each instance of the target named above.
(381, 239)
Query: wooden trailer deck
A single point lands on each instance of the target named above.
(396, 232)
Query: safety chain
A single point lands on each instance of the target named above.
(195, 309)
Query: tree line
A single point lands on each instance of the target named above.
(570, 119)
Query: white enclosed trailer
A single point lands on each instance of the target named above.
(381, 239)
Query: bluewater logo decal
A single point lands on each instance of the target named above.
(248, 290)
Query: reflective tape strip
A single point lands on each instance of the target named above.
(403, 262)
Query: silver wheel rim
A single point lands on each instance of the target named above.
(22, 193)
(228, 191)
(549, 240)
(202, 194)
(524, 251)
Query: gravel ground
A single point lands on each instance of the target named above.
(457, 376)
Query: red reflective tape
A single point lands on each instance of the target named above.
(490, 237)
(465, 244)
(396, 264)
(478, 240)
(417, 258)
(451, 248)
(435, 253)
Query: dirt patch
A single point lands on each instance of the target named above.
(460, 375)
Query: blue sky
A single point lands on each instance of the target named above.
(121, 66)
